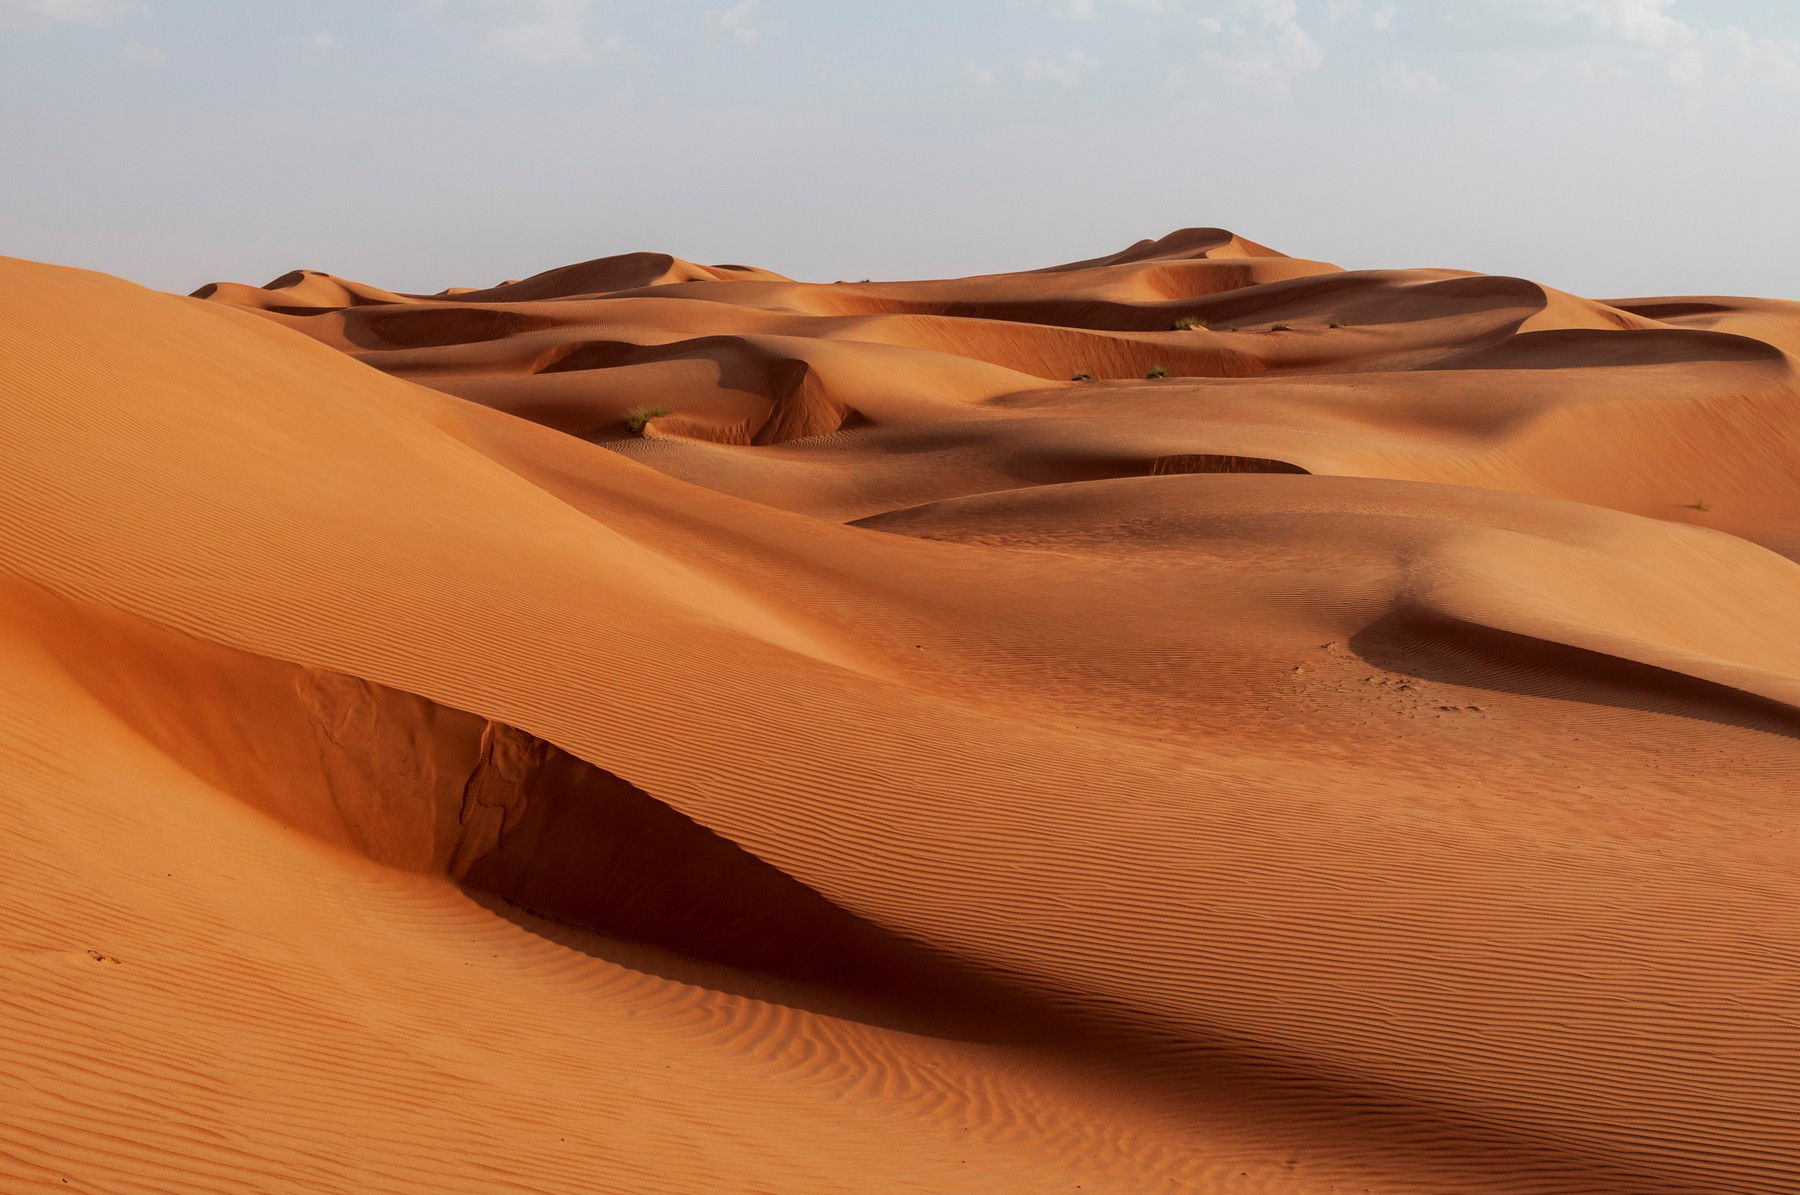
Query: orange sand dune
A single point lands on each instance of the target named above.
(929, 754)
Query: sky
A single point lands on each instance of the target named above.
(1609, 147)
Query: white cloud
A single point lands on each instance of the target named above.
(1069, 10)
(548, 33)
(40, 13)
(321, 42)
(1645, 33)
(1401, 79)
(1086, 10)
(743, 22)
(1773, 62)
(1641, 22)
(537, 32)
(1067, 69)
(1379, 16)
(983, 75)
(142, 55)
(1260, 45)
(1523, 41)
(1267, 46)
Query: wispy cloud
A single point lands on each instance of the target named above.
(1378, 15)
(321, 41)
(1268, 46)
(549, 33)
(1411, 82)
(1070, 10)
(1086, 10)
(142, 55)
(1644, 37)
(744, 23)
(1067, 69)
(1641, 22)
(43, 13)
(1261, 45)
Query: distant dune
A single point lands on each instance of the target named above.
(1188, 720)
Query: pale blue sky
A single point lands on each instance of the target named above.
(1611, 147)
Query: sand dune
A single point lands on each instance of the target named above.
(931, 754)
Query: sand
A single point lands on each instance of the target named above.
(1361, 760)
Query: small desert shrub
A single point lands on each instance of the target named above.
(1339, 324)
(1157, 371)
(1188, 323)
(1082, 377)
(1700, 504)
(1279, 328)
(640, 416)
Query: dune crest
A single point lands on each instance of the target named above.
(1189, 719)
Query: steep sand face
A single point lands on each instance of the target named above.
(1359, 760)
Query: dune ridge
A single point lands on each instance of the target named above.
(1190, 719)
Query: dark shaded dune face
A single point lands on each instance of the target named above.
(1432, 646)
(290, 280)
(1380, 298)
(1578, 348)
(593, 354)
(437, 327)
(1660, 309)
(1210, 462)
(1049, 469)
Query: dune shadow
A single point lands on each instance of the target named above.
(595, 855)
(962, 1007)
(1590, 348)
(1437, 647)
(387, 327)
(1178, 1065)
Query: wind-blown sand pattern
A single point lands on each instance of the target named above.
(1362, 760)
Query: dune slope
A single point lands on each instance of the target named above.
(1186, 720)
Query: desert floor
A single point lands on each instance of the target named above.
(938, 752)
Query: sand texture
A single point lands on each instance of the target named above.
(1361, 760)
